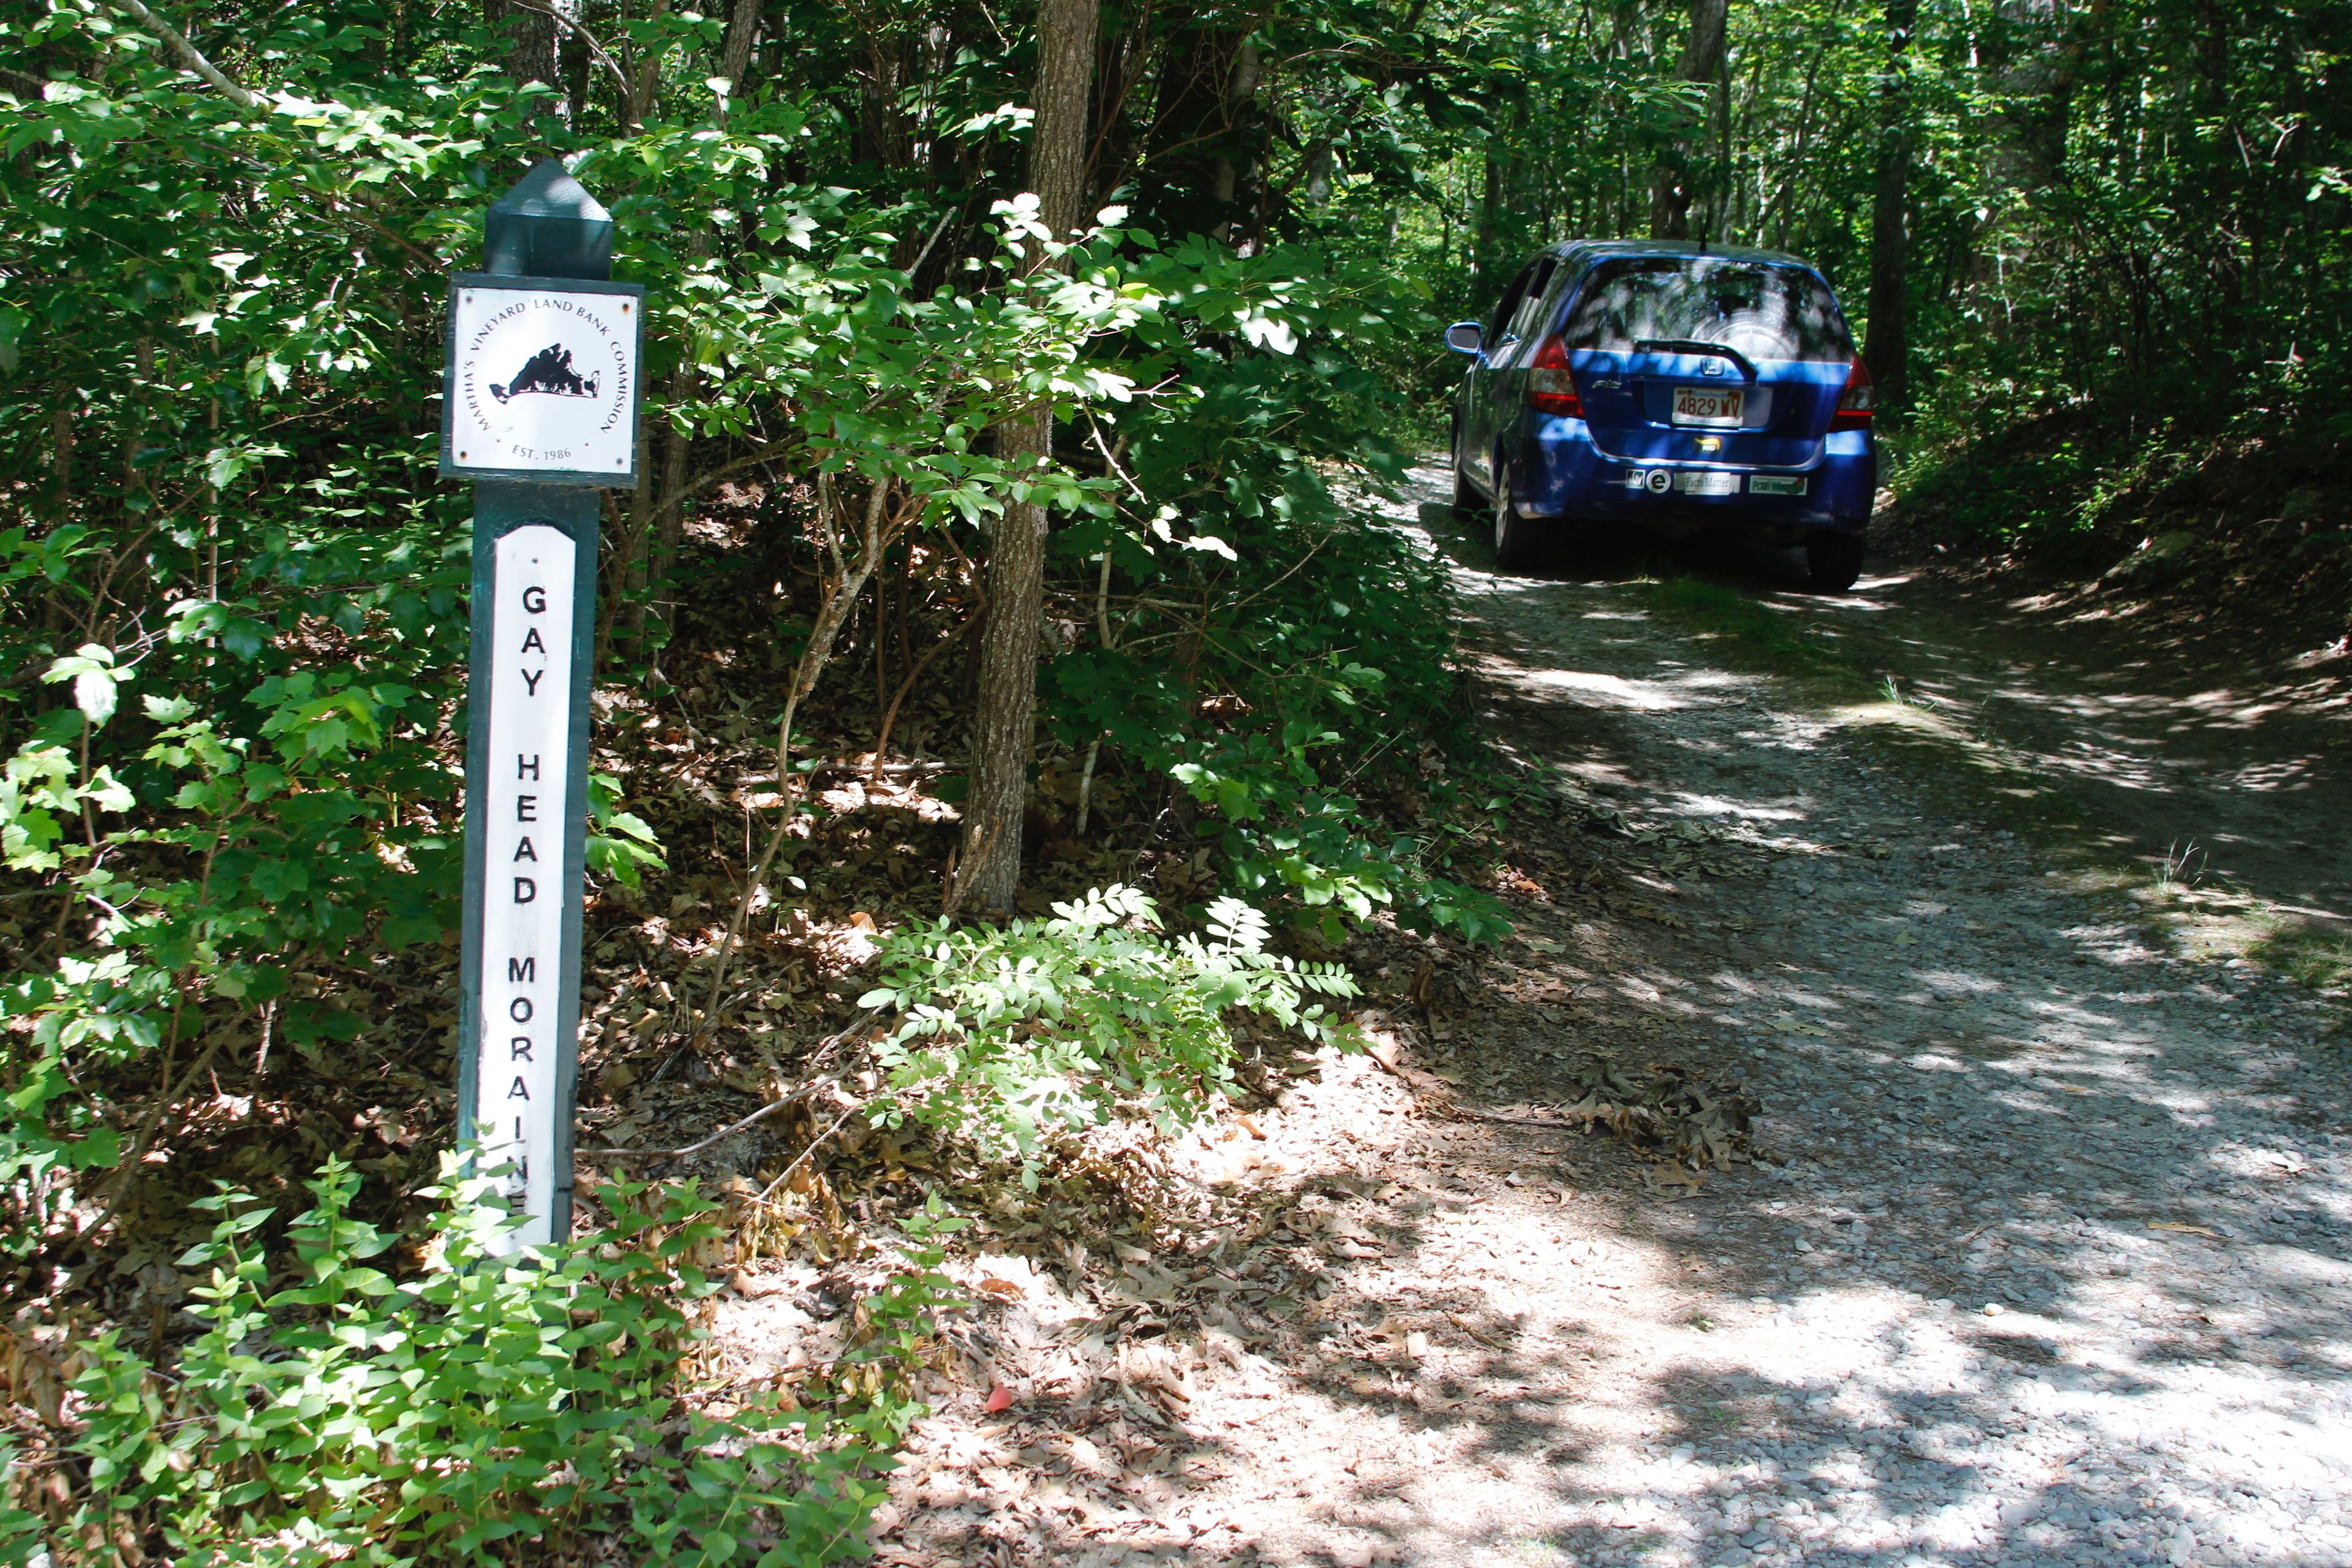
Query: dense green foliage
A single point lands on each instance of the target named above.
(348, 1417)
(235, 604)
(2139, 201)
(233, 591)
(229, 544)
(1013, 1039)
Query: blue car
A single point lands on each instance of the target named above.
(1685, 388)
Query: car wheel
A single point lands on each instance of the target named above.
(1833, 560)
(1517, 547)
(1467, 498)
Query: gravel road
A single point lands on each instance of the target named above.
(2047, 1264)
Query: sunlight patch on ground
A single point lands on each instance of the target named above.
(1719, 806)
(1610, 690)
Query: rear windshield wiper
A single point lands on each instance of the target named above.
(1699, 346)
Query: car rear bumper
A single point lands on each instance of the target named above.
(1557, 471)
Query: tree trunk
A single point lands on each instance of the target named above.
(530, 41)
(670, 525)
(1674, 183)
(1886, 350)
(1490, 206)
(61, 452)
(1004, 728)
(988, 871)
(1058, 144)
(1190, 179)
(572, 51)
(735, 53)
(648, 84)
(884, 132)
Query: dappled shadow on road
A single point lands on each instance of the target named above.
(2047, 1262)
(2226, 770)
(2056, 1270)
(1607, 1375)
(2173, 744)
(1535, 1356)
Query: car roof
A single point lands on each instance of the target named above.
(1600, 248)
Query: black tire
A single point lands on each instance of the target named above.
(1833, 560)
(1467, 498)
(1518, 549)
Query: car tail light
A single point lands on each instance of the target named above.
(1549, 388)
(1854, 403)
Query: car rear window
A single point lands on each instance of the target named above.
(1763, 311)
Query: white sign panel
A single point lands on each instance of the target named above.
(523, 892)
(543, 382)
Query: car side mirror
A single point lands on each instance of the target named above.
(1466, 337)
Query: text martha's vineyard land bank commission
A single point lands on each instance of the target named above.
(544, 381)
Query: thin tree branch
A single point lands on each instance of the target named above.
(794, 1097)
(119, 1187)
(801, 1159)
(418, 251)
(882, 735)
(873, 540)
(189, 55)
(571, 24)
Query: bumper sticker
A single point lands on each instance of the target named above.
(1709, 482)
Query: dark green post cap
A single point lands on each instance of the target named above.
(548, 226)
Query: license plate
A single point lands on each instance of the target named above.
(1777, 485)
(1710, 404)
(1706, 484)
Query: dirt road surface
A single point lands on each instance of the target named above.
(2046, 1261)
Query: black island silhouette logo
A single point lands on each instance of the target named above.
(549, 371)
(542, 381)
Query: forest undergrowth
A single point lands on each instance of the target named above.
(781, 1097)
(1156, 293)
(2231, 529)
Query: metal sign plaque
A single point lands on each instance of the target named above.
(543, 380)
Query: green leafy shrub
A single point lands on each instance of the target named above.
(212, 864)
(1048, 1027)
(245, 804)
(347, 1416)
(1313, 647)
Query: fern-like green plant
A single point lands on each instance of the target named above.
(345, 1416)
(1008, 1036)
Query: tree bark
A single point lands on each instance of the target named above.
(735, 52)
(1886, 350)
(988, 870)
(531, 42)
(1482, 261)
(1058, 142)
(1191, 175)
(572, 54)
(1674, 183)
(61, 454)
(647, 85)
(1004, 728)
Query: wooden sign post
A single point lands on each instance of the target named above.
(540, 408)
